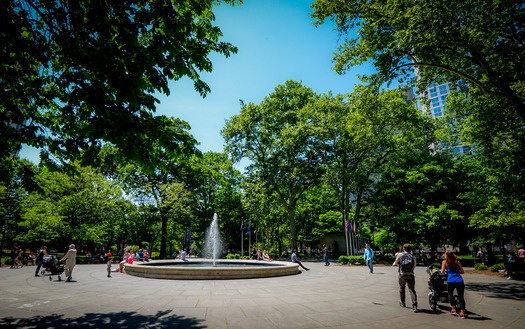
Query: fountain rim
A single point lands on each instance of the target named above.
(183, 272)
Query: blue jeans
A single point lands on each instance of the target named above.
(39, 264)
(325, 258)
(370, 264)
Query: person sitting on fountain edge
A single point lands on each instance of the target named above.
(294, 260)
(183, 255)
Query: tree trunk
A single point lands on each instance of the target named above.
(163, 236)
(293, 232)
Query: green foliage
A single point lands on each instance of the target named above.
(83, 208)
(474, 41)
(329, 222)
(475, 45)
(497, 267)
(352, 260)
(418, 199)
(480, 267)
(281, 155)
(88, 75)
(233, 256)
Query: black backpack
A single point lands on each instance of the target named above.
(406, 263)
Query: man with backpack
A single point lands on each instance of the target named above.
(407, 263)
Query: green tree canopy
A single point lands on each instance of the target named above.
(419, 199)
(357, 134)
(479, 42)
(83, 208)
(268, 134)
(78, 74)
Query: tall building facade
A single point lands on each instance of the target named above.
(437, 95)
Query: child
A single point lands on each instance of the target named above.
(109, 258)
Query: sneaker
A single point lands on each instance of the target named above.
(307, 269)
(414, 309)
(462, 316)
(109, 276)
(509, 278)
(402, 304)
(37, 275)
(453, 312)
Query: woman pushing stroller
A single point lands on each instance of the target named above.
(452, 267)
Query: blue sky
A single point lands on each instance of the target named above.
(277, 42)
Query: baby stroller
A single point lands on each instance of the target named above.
(437, 283)
(53, 266)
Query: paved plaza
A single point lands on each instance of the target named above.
(332, 296)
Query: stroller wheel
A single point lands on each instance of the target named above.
(50, 278)
(432, 301)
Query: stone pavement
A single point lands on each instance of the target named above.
(332, 296)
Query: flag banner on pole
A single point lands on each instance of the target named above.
(355, 227)
(249, 228)
(242, 227)
(346, 225)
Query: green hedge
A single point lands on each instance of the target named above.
(497, 267)
(480, 267)
(233, 256)
(352, 260)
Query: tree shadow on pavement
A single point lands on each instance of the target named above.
(506, 290)
(130, 320)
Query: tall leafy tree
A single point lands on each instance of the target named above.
(161, 185)
(357, 134)
(479, 42)
(499, 174)
(263, 211)
(281, 154)
(77, 74)
(478, 45)
(81, 208)
(216, 188)
(16, 182)
(420, 198)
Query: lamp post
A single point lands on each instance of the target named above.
(4, 229)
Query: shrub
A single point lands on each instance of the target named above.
(233, 256)
(357, 260)
(344, 259)
(480, 267)
(351, 260)
(7, 260)
(497, 267)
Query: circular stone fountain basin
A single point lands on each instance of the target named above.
(206, 270)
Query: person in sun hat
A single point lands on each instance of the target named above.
(70, 259)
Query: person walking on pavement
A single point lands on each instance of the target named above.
(368, 255)
(407, 263)
(70, 259)
(40, 259)
(17, 256)
(452, 267)
(109, 261)
(325, 255)
(295, 260)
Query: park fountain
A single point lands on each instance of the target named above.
(212, 268)
(213, 241)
